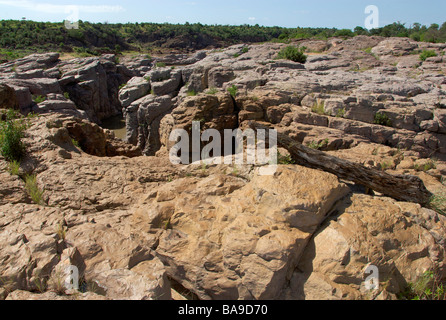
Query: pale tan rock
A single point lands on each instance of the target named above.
(224, 232)
(31, 247)
(381, 232)
(240, 242)
(12, 188)
(26, 295)
(121, 267)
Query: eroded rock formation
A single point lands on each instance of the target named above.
(140, 227)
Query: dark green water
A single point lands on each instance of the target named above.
(117, 125)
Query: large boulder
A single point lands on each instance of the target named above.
(32, 62)
(142, 121)
(119, 267)
(136, 88)
(212, 111)
(229, 239)
(8, 97)
(165, 80)
(30, 251)
(93, 85)
(38, 86)
(395, 46)
(370, 231)
(58, 103)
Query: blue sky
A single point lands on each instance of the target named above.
(285, 13)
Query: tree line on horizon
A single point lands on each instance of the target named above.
(97, 38)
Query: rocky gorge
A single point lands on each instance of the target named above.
(139, 227)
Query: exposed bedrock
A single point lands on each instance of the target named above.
(140, 227)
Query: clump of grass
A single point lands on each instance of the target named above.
(340, 113)
(245, 49)
(191, 93)
(38, 98)
(56, 283)
(427, 287)
(233, 91)
(430, 164)
(318, 145)
(293, 53)
(61, 231)
(33, 190)
(319, 108)
(212, 91)
(167, 225)
(40, 283)
(427, 54)
(438, 203)
(122, 86)
(75, 143)
(14, 167)
(160, 64)
(12, 131)
(382, 119)
(284, 159)
(385, 165)
(66, 95)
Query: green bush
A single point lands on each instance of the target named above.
(318, 145)
(428, 287)
(438, 203)
(431, 164)
(233, 91)
(284, 159)
(12, 130)
(38, 98)
(212, 91)
(33, 190)
(293, 53)
(427, 54)
(319, 108)
(14, 168)
(382, 119)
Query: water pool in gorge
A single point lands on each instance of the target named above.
(117, 125)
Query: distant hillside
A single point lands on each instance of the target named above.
(96, 38)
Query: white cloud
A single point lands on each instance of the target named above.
(52, 8)
(252, 18)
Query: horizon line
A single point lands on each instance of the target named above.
(222, 25)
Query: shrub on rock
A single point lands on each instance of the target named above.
(293, 53)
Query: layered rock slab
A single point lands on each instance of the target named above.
(229, 239)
